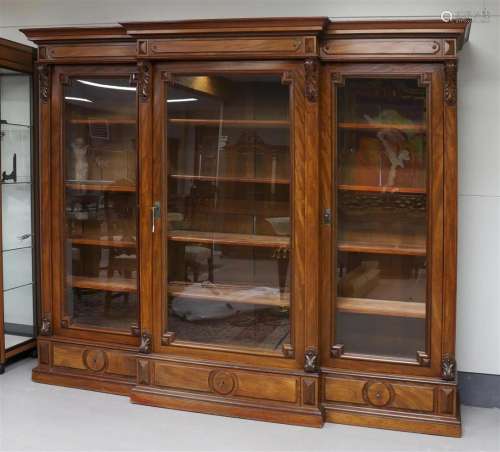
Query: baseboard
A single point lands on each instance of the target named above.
(431, 425)
(180, 400)
(481, 390)
(81, 382)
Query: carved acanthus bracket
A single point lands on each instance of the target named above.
(46, 326)
(450, 83)
(448, 368)
(311, 360)
(337, 350)
(144, 81)
(44, 82)
(146, 343)
(311, 68)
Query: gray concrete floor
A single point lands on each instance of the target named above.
(49, 418)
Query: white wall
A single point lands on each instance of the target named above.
(479, 123)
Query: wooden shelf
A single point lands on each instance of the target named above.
(100, 187)
(418, 128)
(385, 248)
(109, 285)
(377, 189)
(103, 121)
(231, 122)
(227, 293)
(387, 308)
(223, 238)
(253, 180)
(103, 242)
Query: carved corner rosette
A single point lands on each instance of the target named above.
(46, 326)
(146, 346)
(311, 360)
(144, 80)
(450, 83)
(44, 82)
(311, 87)
(448, 367)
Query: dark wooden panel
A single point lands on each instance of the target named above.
(272, 47)
(380, 394)
(65, 53)
(344, 390)
(387, 48)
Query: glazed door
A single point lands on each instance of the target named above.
(231, 232)
(383, 241)
(97, 286)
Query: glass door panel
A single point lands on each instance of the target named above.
(100, 201)
(16, 212)
(229, 229)
(381, 245)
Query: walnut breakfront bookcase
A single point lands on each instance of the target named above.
(253, 217)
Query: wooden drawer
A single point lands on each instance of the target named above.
(94, 360)
(380, 393)
(233, 383)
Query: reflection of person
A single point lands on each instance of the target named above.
(393, 141)
(80, 149)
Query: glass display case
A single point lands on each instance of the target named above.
(253, 217)
(18, 274)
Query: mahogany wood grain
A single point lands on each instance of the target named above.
(223, 238)
(381, 189)
(104, 243)
(99, 187)
(389, 308)
(250, 180)
(225, 292)
(415, 128)
(112, 285)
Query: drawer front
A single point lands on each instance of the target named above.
(380, 394)
(94, 360)
(271, 47)
(412, 49)
(229, 382)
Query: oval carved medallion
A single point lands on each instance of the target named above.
(222, 382)
(377, 393)
(95, 360)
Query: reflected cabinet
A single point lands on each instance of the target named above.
(253, 218)
(18, 287)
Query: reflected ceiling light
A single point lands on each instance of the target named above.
(186, 99)
(102, 85)
(79, 99)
